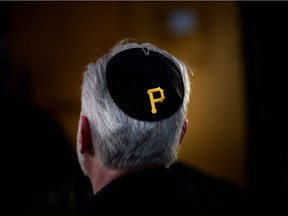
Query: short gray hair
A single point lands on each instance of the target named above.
(121, 141)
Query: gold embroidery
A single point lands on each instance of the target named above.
(155, 100)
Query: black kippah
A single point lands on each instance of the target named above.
(145, 84)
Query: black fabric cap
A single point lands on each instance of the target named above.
(136, 80)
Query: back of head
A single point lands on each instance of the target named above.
(135, 98)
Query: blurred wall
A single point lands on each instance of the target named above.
(52, 42)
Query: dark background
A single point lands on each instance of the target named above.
(265, 51)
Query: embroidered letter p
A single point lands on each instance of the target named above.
(155, 100)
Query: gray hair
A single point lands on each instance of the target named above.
(121, 141)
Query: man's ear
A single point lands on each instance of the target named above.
(184, 129)
(85, 139)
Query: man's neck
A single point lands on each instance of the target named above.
(101, 176)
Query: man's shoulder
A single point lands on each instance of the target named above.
(156, 190)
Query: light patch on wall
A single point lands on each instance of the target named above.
(181, 22)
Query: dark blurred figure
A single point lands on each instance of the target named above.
(36, 157)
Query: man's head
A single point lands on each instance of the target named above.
(134, 104)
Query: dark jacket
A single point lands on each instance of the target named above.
(148, 192)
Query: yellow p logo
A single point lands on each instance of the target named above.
(155, 100)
